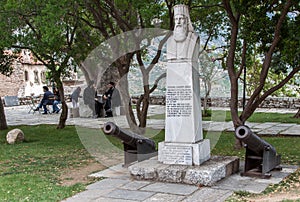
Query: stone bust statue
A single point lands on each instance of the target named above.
(184, 43)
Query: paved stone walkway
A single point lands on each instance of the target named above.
(19, 116)
(119, 187)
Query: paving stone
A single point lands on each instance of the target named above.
(206, 194)
(239, 183)
(109, 183)
(160, 197)
(170, 188)
(129, 194)
(275, 130)
(205, 125)
(218, 126)
(88, 195)
(287, 125)
(264, 125)
(135, 185)
(117, 171)
(292, 131)
(102, 199)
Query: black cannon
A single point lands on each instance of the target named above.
(136, 147)
(261, 157)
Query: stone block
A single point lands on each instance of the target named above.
(171, 173)
(146, 170)
(206, 174)
(209, 173)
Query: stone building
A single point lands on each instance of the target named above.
(28, 77)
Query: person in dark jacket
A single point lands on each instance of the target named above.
(112, 99)
(89, 98)
(46, 100)
(75, 96)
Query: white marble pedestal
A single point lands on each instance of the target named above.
(184, 153)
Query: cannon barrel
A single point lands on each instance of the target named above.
(129, 138)
(255, 143)
(260, 156)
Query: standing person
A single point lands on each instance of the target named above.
(56, 101)
(99, 105)
(45, 100)
(116, 102)
(112, 99)
(89, 96)
(75, 96)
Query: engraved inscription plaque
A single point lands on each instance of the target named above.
(181, 155)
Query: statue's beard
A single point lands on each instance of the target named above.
(180, 33)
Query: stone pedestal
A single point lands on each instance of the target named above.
(184, 153)
(210, 172)
(184, 143)
(183, 104)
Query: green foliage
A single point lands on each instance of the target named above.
(6, 61)
(257, 117)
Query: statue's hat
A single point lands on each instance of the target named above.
(182, 9)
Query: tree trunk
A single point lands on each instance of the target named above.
(234, 19)
(64, 114)
(3, 123)
(126, 100)
(297, 115)
(63, 117)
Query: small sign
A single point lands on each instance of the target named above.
(181, 155)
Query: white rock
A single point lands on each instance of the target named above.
(15, 135)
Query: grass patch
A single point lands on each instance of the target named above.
(259, 117)
(29, 171)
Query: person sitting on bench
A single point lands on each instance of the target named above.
(46, 100)
(56, 101)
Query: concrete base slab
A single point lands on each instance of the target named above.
(207, 174)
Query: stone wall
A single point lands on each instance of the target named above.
(271, 102)
(9, 86)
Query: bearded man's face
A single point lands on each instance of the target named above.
(180, 30)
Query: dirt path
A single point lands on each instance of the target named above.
(80, 175)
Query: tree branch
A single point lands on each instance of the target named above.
(243, 63)
(268, 57)
(156, 82)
